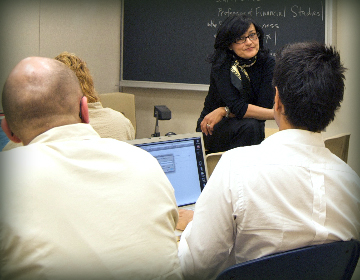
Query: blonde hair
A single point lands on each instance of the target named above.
(83, 74)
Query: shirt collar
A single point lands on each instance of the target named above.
(95, 105)
(79, 131)
(294, 137)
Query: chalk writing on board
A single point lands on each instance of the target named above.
(261, 14)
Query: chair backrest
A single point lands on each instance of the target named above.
(213, 158)
(270, 131)
(331, 261)
(211, 161)
(121, 102)
(339, 145)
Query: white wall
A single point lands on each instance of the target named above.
(185, 107)
(348, 44)
(88, 28)
(19, 33)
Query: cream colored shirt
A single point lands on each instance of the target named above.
(288, 192)
(109, 123)
(77, 206)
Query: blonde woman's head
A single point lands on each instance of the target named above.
(83, 74)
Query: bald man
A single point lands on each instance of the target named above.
(74, 205)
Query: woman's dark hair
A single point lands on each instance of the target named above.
(310, 80)
(229, 31)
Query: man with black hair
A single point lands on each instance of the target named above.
(287, 192)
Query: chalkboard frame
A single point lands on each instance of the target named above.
(330, 31)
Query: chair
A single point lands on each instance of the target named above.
(213, 158)
(270, 131)
(339, 145)
(330, 261)
(211, 161)
(121, 102)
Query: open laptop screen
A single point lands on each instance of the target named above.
(182, 158)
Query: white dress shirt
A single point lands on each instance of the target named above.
(288, 192)
(77, 206)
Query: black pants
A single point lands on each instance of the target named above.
(231, 133)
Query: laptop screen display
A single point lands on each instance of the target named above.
(182, 159)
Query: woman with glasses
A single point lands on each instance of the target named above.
(241, 95)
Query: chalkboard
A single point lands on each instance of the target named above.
(168, 41)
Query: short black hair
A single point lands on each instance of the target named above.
(310, 80)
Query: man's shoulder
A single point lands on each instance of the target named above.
(244, 150)
(244, 155)
(79, 147)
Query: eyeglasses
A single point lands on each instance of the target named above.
(252, 37)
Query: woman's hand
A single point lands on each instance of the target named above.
(211, 119)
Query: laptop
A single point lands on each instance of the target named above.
(182, 157)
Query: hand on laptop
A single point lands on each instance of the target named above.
(185, 217)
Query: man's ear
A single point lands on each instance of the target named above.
(278, 106)
(5, 127)
(84, 110)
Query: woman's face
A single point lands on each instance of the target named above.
(249, 48)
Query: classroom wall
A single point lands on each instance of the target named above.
(88, 28)
(348, 44)
(91, 29)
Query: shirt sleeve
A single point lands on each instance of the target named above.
(228, 94)
(206, 245)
